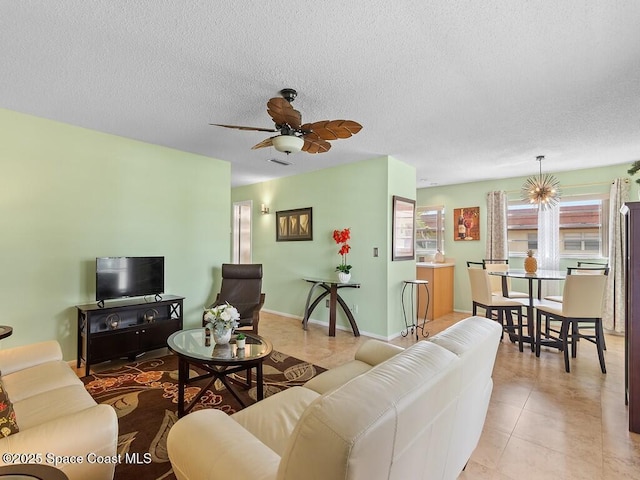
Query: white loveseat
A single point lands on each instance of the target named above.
(57, 418)
(410, 414)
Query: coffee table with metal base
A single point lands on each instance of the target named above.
(218, 361)
(31, 471)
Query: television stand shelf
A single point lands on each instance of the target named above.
(126, 328)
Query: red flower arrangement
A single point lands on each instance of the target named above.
(342, 237)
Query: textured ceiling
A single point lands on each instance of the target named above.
(464, 90)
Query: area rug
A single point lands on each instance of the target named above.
(145, 395)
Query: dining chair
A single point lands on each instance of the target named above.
(578, 314)
(504, 308)
(496, 281)
(495, 260)
(581, 270)
(471, 264)
(594, 264)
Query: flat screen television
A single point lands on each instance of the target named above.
(119, 277)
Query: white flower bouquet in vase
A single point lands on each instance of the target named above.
(222, 320)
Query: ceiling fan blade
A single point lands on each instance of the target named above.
(332, 129)
(265, 143)
(283, 113)
(239, 127)
(313, 144)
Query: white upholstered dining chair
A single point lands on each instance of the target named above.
(579, 314)
(583, 268)
(496, 281)
(504, 308)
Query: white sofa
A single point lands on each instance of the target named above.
(411, 414)
(55, 414)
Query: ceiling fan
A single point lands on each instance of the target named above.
(295, 136)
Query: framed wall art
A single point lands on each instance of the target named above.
(466, 223)
(403, 238)
(294, 225)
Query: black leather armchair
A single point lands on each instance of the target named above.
(242, 288)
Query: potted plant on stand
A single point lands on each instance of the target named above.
(344, 270)
(240, 340)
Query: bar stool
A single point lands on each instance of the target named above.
(415, 286)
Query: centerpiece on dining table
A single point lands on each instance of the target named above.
(222, 320)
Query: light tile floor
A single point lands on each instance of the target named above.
(542, 423)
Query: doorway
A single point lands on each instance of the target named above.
(242, 231)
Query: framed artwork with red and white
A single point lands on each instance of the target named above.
(466, 223)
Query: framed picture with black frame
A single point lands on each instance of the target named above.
(403, 222)
(294, 225)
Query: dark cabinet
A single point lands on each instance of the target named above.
(125, 328)
(631, 213)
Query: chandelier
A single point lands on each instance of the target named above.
(543, 190)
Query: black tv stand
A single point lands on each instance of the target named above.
(156, 298)
(121, 329)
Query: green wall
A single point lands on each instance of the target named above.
(68, 195)
(356, 195)
(593, 180)
(398, 271)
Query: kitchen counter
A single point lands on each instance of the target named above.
(440, 278)
(434, 265)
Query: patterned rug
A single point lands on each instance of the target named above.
(145, 394)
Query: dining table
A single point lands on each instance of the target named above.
(532, 278)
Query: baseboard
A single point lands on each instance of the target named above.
(345, 328)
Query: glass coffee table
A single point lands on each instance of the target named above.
(31, 471)
(219, 361)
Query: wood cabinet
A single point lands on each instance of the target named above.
(440, 278)
(631, 212)
(125, 328)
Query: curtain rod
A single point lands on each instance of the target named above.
(595, 184)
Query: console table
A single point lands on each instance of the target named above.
(126, 328)
(330, 288)
(5, 331)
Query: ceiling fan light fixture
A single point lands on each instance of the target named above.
(287, 143)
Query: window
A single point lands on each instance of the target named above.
(581, 242)
(583, 226)
(429, 229)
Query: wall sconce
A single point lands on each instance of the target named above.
(264, 209)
